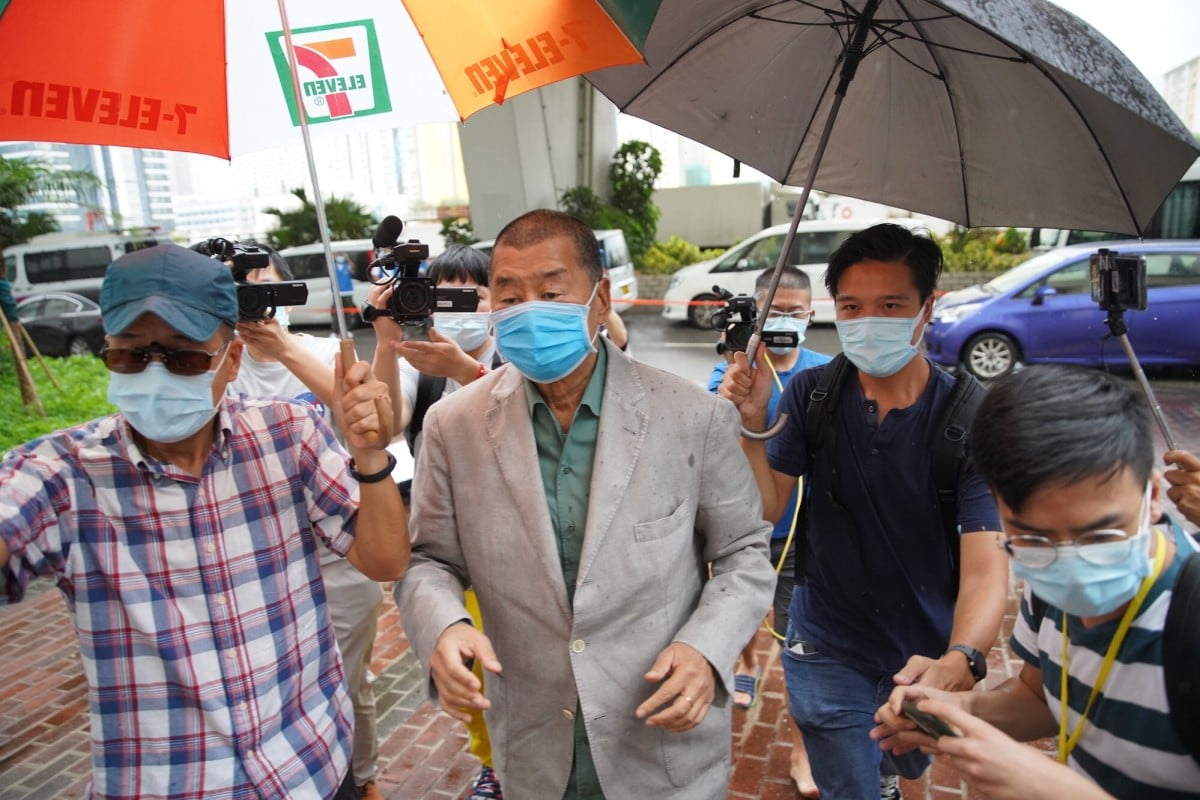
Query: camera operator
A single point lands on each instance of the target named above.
(460, 350)
(279, 363)
(789, 311)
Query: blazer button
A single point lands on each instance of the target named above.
(568, 713)
(577, 646)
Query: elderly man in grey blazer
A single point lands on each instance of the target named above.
(585, 497)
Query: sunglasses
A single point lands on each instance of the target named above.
(130, 360)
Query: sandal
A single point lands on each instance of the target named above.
(747, 684)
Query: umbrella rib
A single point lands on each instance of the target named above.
(917, 25)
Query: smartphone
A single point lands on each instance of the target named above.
(799, 647)
(926, 722)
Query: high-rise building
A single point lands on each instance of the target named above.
(135, 190)
(1181, 88)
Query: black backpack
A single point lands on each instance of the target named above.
(1181, 651)
(948, 451)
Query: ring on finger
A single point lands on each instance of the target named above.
(685, 697)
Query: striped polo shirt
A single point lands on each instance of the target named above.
(1129, 745)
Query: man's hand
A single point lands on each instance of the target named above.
(896, 733)
(1185, 483)
(458, 689)
(440, 357)
(388, 332)
(685, 694)
(1000, 767)
(748, 388)
(951, 672)
(363, 409)
(265, 336)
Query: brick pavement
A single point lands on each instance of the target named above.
(44, 730)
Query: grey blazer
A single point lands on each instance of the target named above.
(671, 493)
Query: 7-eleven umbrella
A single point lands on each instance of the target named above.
(216, 76)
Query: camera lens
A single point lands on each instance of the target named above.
(413, 297)
(254, 301)
(737, 336)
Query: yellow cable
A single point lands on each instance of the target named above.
(787, 545)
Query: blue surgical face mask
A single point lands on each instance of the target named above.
(161, 406)
(784, 325)
(545, 341)
(469, 330)
(879, 346)
(1086, 589)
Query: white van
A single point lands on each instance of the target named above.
(308, 264)
(737, 269)
(71, 262)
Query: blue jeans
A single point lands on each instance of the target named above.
(834, 707)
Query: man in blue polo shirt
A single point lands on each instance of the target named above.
(790, 311)
(879, 602)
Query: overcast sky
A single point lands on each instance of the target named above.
(1157, 35)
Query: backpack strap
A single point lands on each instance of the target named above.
(949, 451)
(1181, 654)
(818, 436)
(429, 390)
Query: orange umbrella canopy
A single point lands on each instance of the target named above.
(212, 76)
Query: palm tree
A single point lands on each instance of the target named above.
(26, 180)
(347, 220)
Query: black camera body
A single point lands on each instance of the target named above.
(737, 319)
(255, 300)
(1118, 282)
(415, 298)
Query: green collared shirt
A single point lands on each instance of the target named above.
(565, 461)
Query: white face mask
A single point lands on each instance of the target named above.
(162, 406)
(879, 346)
(469, 329)
(281, 316)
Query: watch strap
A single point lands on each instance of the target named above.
(374, 477)
(975, 660)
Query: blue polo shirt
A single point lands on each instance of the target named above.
(806, 360)
(878, 584)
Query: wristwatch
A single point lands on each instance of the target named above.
(975, 660)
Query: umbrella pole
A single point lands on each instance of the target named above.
(853, 56)
(383, 408)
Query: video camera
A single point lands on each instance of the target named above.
(414, 298)
(1118, 282)
(255, 300)
(737, 319)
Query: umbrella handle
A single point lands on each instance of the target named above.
(769, 433)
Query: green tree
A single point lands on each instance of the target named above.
(347, 220)
(634, 169)
(24, 181)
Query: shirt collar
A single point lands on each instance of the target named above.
(593, 393)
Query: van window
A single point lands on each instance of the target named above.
(308, 266)
(616, 250)
(65, 265)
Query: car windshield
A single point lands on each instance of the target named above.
(1022, 273)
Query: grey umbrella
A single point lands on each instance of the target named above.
(983, 112)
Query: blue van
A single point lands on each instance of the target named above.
(1042, 312)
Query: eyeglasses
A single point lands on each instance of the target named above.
(130, 360)
(1095, 547)
(800, 315)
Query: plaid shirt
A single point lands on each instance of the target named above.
(201, 616)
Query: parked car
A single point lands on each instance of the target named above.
(1042, 311)
(62, 323)
(308, 264)
(738, 268)
(618, 266)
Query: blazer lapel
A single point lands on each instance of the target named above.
(510, 434)
(619, 441)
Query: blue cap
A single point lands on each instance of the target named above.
(192, 293)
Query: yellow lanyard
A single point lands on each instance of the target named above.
(1065, 744)
(787, 544)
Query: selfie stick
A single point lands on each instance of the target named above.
(1118, 328)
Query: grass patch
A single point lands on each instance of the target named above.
(84, 396)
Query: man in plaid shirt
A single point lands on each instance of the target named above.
(182, 531)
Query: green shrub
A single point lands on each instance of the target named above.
(84, 381)
(982, 249)
(663, 258)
